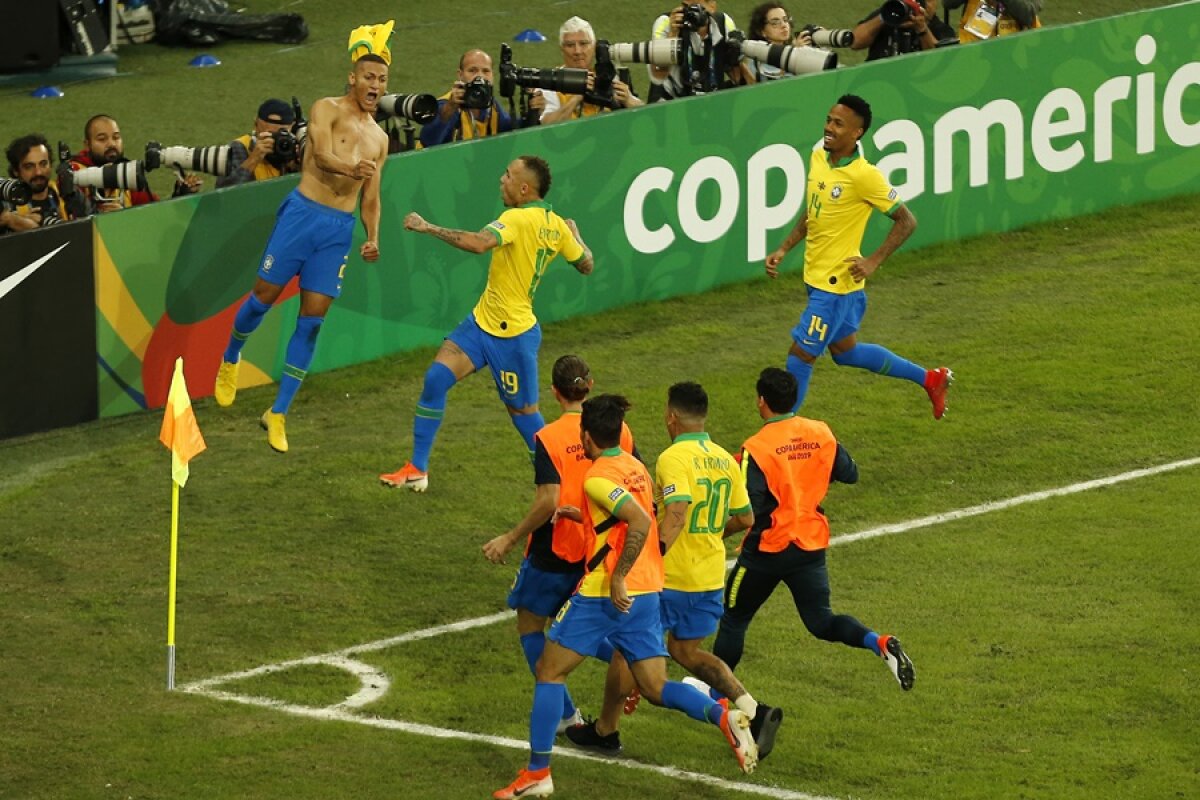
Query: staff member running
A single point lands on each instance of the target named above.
(788, 466)
(501, 333)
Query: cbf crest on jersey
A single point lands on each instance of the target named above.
(267, 262)
(836, 192)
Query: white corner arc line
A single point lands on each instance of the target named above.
(338, 714)
(14, 280)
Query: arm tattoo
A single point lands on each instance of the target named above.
(447, 235)
(634, 539)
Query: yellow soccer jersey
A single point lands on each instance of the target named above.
(529, 237)
(840, 200)
(696, 470)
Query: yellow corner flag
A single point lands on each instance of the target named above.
(180, 433)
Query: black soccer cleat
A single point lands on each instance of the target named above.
(584, 735)
(898, 662)
(763, 728)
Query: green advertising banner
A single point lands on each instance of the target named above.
(678, 197)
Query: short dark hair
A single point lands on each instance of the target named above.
(688, 399)
(19, 147)
(858, 106)
(374, 58)
(540, 170)
(778, 388)
(87, 126)
(571, 376)
(602, 418)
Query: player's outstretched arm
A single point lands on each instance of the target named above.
(545, 499)
(478, 242)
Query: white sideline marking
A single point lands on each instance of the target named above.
(375, 684)
(339, 715)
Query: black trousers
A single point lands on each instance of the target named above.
(753, 579)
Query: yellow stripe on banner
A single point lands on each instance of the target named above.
(116, 304)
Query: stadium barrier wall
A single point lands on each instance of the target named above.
(47, 329)
(677, 198)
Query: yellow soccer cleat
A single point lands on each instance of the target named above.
(273, 424)
(226, 387)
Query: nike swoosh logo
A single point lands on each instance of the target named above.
(14, 280)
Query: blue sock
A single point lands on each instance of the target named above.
(532, 644)
(881, 361)
(604, 651)
(803, 371)
(871, 642)
(439, 380)
(543, 722)
(300, 351)
(527, 425)
(245, 323)
(691, 701)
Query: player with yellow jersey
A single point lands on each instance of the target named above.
(843, 190)
(502, 332)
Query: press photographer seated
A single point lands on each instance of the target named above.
(272, 150)
(988, 19)
(901, 26)
(104, 145)
(469, 110)
(30, 198)
(578, 44)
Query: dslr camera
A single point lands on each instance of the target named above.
(567, 80)
(15, 191)
(477, 93)
(288, 141)
(695, 17)
(825, 37)
(894, 13)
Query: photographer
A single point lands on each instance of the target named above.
(578, 44)
(469, 110)
(984, 19)
(29, 166)
(103, 145)
(255, 153)
(705, 29)
(901, 26)
(771, 23)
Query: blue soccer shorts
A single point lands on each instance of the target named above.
(541, 592)
(691, 615)
(828, 318)
(512, 360)
(309, 239)
(584, 622)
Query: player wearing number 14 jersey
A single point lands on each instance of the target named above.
(502, 332)
(843, 190)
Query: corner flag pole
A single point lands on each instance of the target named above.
(181, 435)
(171, 589)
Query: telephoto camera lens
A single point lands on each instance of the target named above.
(795, 60)
(15, 191)
(838, 37)
(661, 53)
(420, 108)
(126, 175)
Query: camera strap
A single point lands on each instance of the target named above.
(471, 128)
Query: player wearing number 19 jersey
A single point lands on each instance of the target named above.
(843, 190)
(502, 332)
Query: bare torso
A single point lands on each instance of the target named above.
(355, 136)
